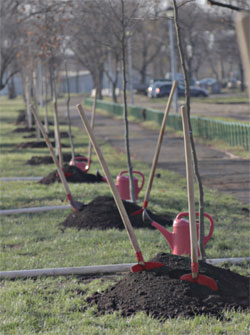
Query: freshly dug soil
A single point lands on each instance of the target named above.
(35, 144)
(73, 175)
(37, 160)
(24, 130)
(161, 294)
(102, 213)
(22, 118)
(51, 134)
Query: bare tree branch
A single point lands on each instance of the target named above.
(216, 3)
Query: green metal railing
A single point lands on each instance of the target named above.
(232, 133)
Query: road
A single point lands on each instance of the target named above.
(219, 170)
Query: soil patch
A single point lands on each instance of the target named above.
(102, 213)
(35, 144)
(24, 130)
(37, 160)
(161, 294)
(51, 134)
(73, 175)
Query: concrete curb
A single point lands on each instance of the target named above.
(32, 209)
(96, 269)
(20, 178)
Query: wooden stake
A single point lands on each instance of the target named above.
(190, 188)
(111, 183)
(158, 146)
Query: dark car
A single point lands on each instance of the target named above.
(194, 91)
(154, 86)
(162, 90)
(158, 90)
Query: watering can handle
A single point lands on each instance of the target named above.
(211, 222)
(81, 158)
(84, 160)
(135, 172)
(142, 181)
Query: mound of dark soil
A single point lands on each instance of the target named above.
(35, 144)
(37, 160)
(51, 134)
(102, 213)
(161, 294)
(24, 130)
(73, 175)
(22, 118)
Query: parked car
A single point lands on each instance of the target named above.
(162, 80)
(206, 82)
(194, 91)
(159, 89)
(210, 84)
(153, 88)
(140, 88)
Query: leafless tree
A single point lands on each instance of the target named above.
(122, 25)
(112, 69)
(149, 40)
(193, 23)
(88, 30)
(194, 155)
(9, 40)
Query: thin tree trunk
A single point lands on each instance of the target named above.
(99, 83)
(92, 127)
(195, 160)
(11, 88)
(77, 81)
(56, 125)
(68, 111)
(28, 101)
(38, 134)
(242, 79)
(57, 132)
(114, 97)
(45, 100)
(125, 113)
(40, 83)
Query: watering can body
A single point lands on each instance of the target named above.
(122, 184)
(81, 163)
(179, 239)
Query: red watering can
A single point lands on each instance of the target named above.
(122, 184)
(179, 240)
(81, 162)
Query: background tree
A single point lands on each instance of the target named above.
(193, 24)
(149, 40)
(9, 40)
(88, 43)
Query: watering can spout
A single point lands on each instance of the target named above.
(168, 235)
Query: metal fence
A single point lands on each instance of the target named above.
(232, 133)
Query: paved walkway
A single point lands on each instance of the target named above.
(219, 170)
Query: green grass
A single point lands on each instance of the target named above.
(56, 305)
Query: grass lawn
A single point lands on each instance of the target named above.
(56, 305)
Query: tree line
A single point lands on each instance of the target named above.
(39, 38)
